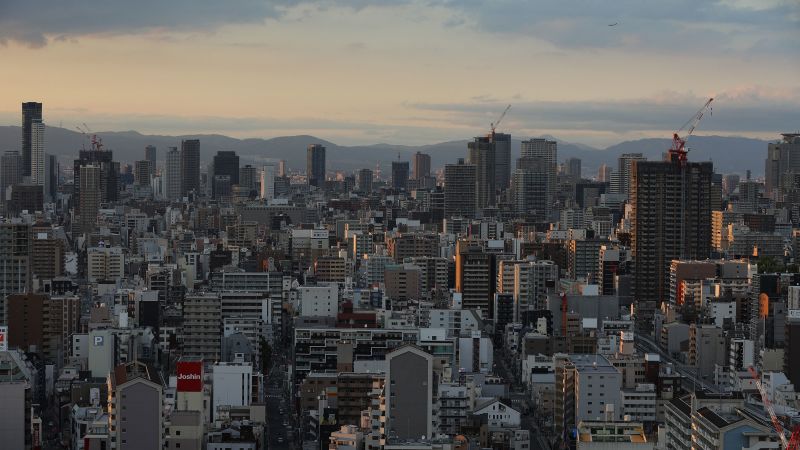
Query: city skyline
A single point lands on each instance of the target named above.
(348, 63)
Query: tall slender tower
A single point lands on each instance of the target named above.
(190, 166)
(459, 189)
(422, 165)
(315, 165)
(502, 159)
(548, 151)
(671, 219)
(482, 155)
(174, 182)
(31, 112)
(37, 171)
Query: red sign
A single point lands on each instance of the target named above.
(190, 376)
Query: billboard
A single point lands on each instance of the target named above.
(3, 339)
(190, 376)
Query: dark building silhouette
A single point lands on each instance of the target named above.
(190, 166)
(315, 165)
(31, 113)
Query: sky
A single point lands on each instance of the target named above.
(404, 71)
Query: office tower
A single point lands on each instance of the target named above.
(459, 189)
(151, 154)
(604, 174)
(400, 175)
(90, 198)
(48, 257)
(109, 173)
(201, 329)
(315, 165)
(476, 278)
(671, 219)
(142, 172)
(190, 166)
(25, 197)
(15, 261)
(502, 160)
(531, 183)
(51, 171)
(364, 181)
(548, 151)
(268, 181)
(31, 113)
(43, 325)
(572, 168)
(782, 163)
(226, 163)
(422, 165)
(624, 162)
(135, 407)
(174, 185)
(282, 168)
(482, 155)
(249, 177)
(729, 183)
(37, 153)
(10, 172)
(409, 393)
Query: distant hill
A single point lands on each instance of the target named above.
(729, 154)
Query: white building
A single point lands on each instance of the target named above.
(319, 301)
(231, 385)
(475, 353)
(498, 414)
(268, 172)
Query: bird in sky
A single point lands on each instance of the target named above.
(613, 24)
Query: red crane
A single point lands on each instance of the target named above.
(678, 148)
(794, 440)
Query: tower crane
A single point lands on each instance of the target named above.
(786, 444)
(494, 125)
(678, 148)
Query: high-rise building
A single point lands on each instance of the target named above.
(15, 261)
(502, 159)
(315, 165)
(476, 278)
(151, 154)
(422, 165)
(135, 407)
(226, 163)
(782, 163)
(174, 183)
(142, 172)
(190, 166)
(482, 154)
(282, 168)
(90, 198)
(671, 220)
(51, 171)
(10, 171)
(572, 168)
(400, 175)
(31, 113)
(548, 151)
(37, 171)
(459, 189)
(409, 393)
(364, 181)
(40, 324)
(531, 182)
(48, 257)
(249, 177)
(624, 163)
(109, 173)
(604, 174)
(268, 172)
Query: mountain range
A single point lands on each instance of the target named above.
(729, 154)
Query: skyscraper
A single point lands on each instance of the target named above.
(365, 181)
(315, 165)
(190, 166)
(91, 196)
(10, 171)
(51, 170)
(400, 175)
(624, 162)
(459, 189)
(671, 219)
(15, 261)
(249, 177)
(37, 153)
(174, 183)
(142, 172)
(268, 172)
(548, 151)
(476, 276)
(502, 160)
(422, 165)
(783, 160)
(151, 154)
(226, 163)
(604, 173)
(482, 155)
(31, 112)
(572, 168)
(109, 173)
(530, 184)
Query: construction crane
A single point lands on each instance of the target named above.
(494, 125)
(94, 139)
(678, 148)
(794, 440)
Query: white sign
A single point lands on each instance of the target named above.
(794, 313)
(98, 341)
